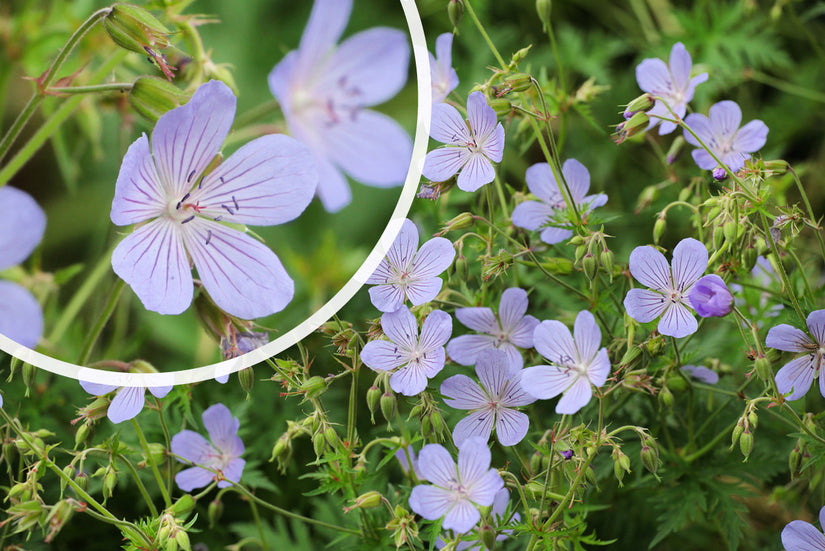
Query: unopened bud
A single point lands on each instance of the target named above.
(247, 379)
(794, 459)
(719, 174)
(501, 106)
(646, 197)
(183, 506)
(621, 464)
(319, 443)
(313, 387)
(544, 9)
(389, 403)
(581, 250)
(634, 125)
(369, 500)
(655, 345)
(109, 482)
(718, 237)
(606, 260)
(641, 103)
(152, 97)
(631, 356)
(29, 373)
(666, 398)
(460, 222)
(455, 10)
(82, 433)
(650, 458)
(373, 397)
(762, 366)
(746, 443)
(749, 256)
(182, 539)
(737, 433)
(135, 29)
(487, 535)
(156, 455)
(589, 265)
(518, 82)
(729, 229)
(777, 166)
(214, 511)
(659, 229)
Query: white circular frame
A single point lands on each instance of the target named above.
(197, 374)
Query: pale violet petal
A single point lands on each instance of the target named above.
(436, 330)
(223, 429)
(653, 77)
(448, 126)
(473, 462)
(587, 336)
(477, 424)
(461, 518)
(493, 146)
(477, 172)
(461, 392)
(704, 160)
(485, 488)
(542, 183)
(531, 215)
(546, 381)
(512, 307)
(437, 465)
(551, 235)
(430, 502)
(650, 268)
(478, 318)
(796, 375)
(192, 447)
(599, 368)
(677, 321)
(493, 370)
(22, 224)
(193, 478)
(522, 334)
(511, 426)
(96, 389)
(126, 404)
(333, 189)
(575, 397)
(725, 116)
(232, 471)
(421, 291)
(644, 305)
(435, 256)
(153, 261)
(552, 340)
(751, 137)
(442, 164)
(701, 126)
(139, 194)
(21, 318)
(514, 394)
(680, 65)
(387, 298)
(327, 22)
(482, 117)
(816, 324)
(577, 178)
(465, 349)
(403, 249)
(383, 355)
(409, 380)
(799, 535)
(160, 391)
(242, 275)
(401, 327)
(690, 260)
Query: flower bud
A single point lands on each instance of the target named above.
(631, 356)
(182, 539)
(455, 11)
(749, 256)
(641, 103)
(135, 29)
(156, 455)
(621, 464)
(655, 345)
(281, 446)
(685, 194)
(710, 297)
(753, 419)
(461, 222)
(589, 265)
(29, 373)
(487, 535)
(247, 379)
(82, 433)
(719, 174)
(544, 9)
(776, 166)
(650, 454)
(666, 398)
(501, 106)
(183, 506)
(646, 197)
(319, 443)
(109, 482)
(606, 260)
(634, 125)
(659, 229)
(373, 397)
(518, 82)
(369, 500)
(718, 237)
(576, 240)
(214, 511)
(389, 404)
(82, 480)
(313, 387)
(152, 97)
(746, 443)
(737, 433)
(729, 229)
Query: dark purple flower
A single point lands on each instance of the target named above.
(223, 454)
(470, 149)
(510, 329)
(22, 224)
(492, 402)
(671, 84)
(128, 400)
(457, 491)
(268, 181)
(413, 360)
(799, 535)
(701, 373)
(721, 134)
(408, 272)
(577, 362)
(323, 89)
(710, 297)
(668, 293)
(549, 213)
(442, 75)
(796, 376)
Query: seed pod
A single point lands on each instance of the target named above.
(214, 511)
(487, 535)
(109, 482)
(746, 443)
(183, 506)
(247, 379)
(152, 97)
(81, 434)
(589, 265)
(455, 11)
(389, 404)
(319, 443)
(182, 538)
(737, 433)
(606, 260)
(659, 229)
(544, 9)
(462, 221)
(134, 28)
(313, 387)
(762, 365)
(753, 419)
(373, 397)
(718, 237)
(666, 398)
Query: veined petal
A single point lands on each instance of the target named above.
(462, 392)
(477, 424)
(751, 137)
(434, 257)
(383, 355)
(153, 261)
(420, 291)
(432, 362)
(401, 327)
(242, 275)
(552, 340)
(577, 178)
(403, 249)
(493, 146)
(477, 172)
(680, 65)
(546, 381)
(21, 318)
(96, 389)
(371, 147)
(448, 126)
(542, 183)
(409, 380)
(22, 224)
(378, 57)
(551, 235)
(575, 397)
(441, 164)
(187, 138)
(436, 330)
(437, 465)
(796, 375)
(160, 391)
(193, 478)
(192, 447)
(461, 517)
(493, 370)
(484, 491)
(382, 274)
(690, 260)
(327, 22)
(430, 502)
(473, 462)
(725, 116)
(514, 359)
(465, 349)
(650, 268)
(653, 77)
(139, 194)
(599, 368)
(482, 117)
(701, 126)
(511, 426)
(512, 308)
(799, 535)
(587, 336)
(268, 181)
(704, 161)
(515, 395)
(387, 297)
(126, 404)
(677, 321)
(531, 215)
(223, 429)
(232, 471)
(478, 318)
(522, 334)
(333, 189)
(644, 305)
(816, 324)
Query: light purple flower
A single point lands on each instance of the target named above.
(417, 359)
(497, 510)
(721, 134)
(442, 75)
(268, 181)
(323, 90)
(549, 213)
(799, 535)
(128, 400)
(492, 402)
(406, 457)
(797, 375)
(22, 224)
(669, 82)
(577, 362)
(469, 150)
(457, 491)
(510, 329)
(701, 373)
(668, 296)
(710, 297)
(407, 272)
(222, 454)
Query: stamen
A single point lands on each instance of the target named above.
(208, 236)
(236, 203)
(189, 178)
(188, 219)
(229, 210)
(218, 218)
